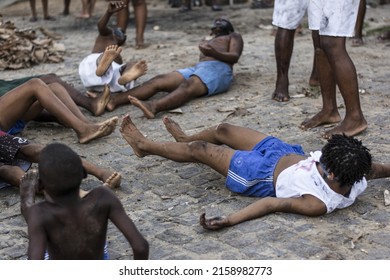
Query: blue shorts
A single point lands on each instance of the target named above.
(17, 127)
(251, 172)
(216, 75)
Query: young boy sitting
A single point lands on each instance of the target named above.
(69, 225)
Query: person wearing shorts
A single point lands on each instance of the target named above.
(334, 20)
(212, 74)
(216, 75)
(11, 166)
(287, 17)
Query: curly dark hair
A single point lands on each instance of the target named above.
(347, 158)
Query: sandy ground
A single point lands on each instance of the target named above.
(165, 198)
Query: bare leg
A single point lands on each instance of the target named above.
(111, 179)
(284, 44)
(84, 12)
(16, 104)
(32, 151)
(214, 156)
(329, 112)
(11, 174)
(45, 7)
(66, 7)
(33, 11)
(314, 80)
(236, 137)
(94, 105)
(166, 82)
(346, 79)
(140, 15)
(188, 90)
(357, 40)
(133, 72)
(105, 60)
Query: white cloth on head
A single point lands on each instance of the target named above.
(87, 73)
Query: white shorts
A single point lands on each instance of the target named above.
(87, 72)
(289, 13)
(333, 17)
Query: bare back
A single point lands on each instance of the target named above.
(77, 231)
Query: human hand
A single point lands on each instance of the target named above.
(214, 223)
(115, 6)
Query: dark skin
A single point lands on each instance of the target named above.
(106, 35)
(222, 47)
(284, 44)
(335, 68)
(215, 148)
(72, 226)
(30, 152)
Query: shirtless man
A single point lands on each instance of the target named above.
(263, 166)
(104, 66)
(334, 20)
(27, 102)
(212, 75)
(67, 225)
(17, 154)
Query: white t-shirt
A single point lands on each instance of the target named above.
(304, 178)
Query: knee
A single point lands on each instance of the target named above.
(35, 83)
(223, 129)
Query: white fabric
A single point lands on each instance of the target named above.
(87, 72)
(333, 17)
(304, 178)
(289, 13)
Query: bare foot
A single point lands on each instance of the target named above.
(134, 72)
(113, 180)
(132, 136)
(320, 119)
(100, 130)
(84, 16)
(144, 106)
(30, 180)
(100, 102)
(109, 55)
(281, 96)
(175, 130)
(49, 18)
(347, 127)
(139, 43)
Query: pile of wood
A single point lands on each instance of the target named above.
(23, 48)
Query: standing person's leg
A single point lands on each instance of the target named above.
(33, 11)
(45, 6)
(140, 15)
(314, 79)
(357, 40)
(287, 16)
(329, 112)
(66, 7)
(284, 44)
(166, 82)
(123, 17)
(346, 78)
